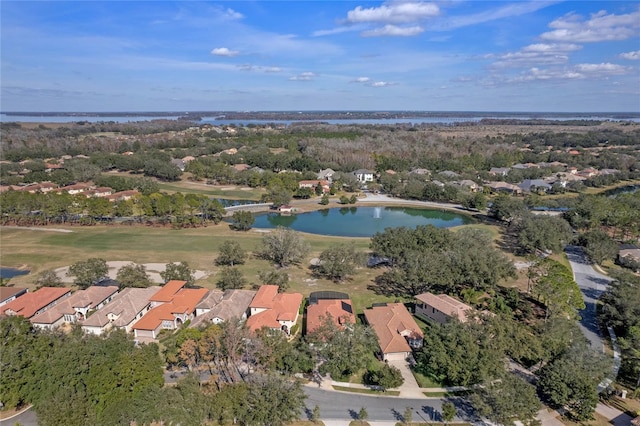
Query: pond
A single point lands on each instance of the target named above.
(11, 272)
(360, 221)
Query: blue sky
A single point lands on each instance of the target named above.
(574, 56)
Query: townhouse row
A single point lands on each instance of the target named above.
(145, 312)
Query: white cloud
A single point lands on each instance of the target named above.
(393, 30)
(361, 80)
(536, 54)
(602, 69)
(580, 71)
(381, 84)
(396, 13)
(305, 76)
(599, 27)
(259, 68)
(632, 56)
(224, 51)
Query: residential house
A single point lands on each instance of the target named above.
(31, 304)
(122, 312)
(449, 174)
(326, 174)
(441, 308)
(75, 307)
(178, 163)
(529, 185)
(470, 185)
(629, 256)
(589, 172)
(331, 305)
(78, 188)
(219, 306)
(173, 305)
(241, 167)
(188, 159)
(326, 187)
(609, 171)
(122, 195)
(42, 187)
(277, 311)
(363, 175)
(421, 172)
(499, 171)
(9, 294)
(103, 191)
(397, 331)
(285, 208)
(504, 187)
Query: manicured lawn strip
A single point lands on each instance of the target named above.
(367, 391)
(424, 381)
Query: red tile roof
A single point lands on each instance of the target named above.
(88, 298)
(392, 324)
(168, 291)
(340, 311)
(31, 303)
(184, 302)
(279, 307)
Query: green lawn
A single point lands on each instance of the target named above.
(424, 381)
(213, 191)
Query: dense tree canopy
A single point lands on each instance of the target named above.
(283, 246)
(429, 258)
(88, 272)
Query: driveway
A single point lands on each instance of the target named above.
(592, 285)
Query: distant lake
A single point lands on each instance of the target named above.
(360, 221)
(12, 272)
(441, 118)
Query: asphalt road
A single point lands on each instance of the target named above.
(347, 405)
(592, 285)
(26, 418)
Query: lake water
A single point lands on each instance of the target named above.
(11, 272)
(441, 118)
(360, 221)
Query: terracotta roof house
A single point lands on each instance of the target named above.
(126, 308)
(76, 189)
(441, 307)
(122, 195)
(180, 308)
(167, 292)
(278, 311)
(334, 305)
(397, 331)
(43, 187)
(221, 306)
(314, 183)
(75, 307)
(37, 302)
(9, 294)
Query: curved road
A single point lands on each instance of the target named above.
(592, 285)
